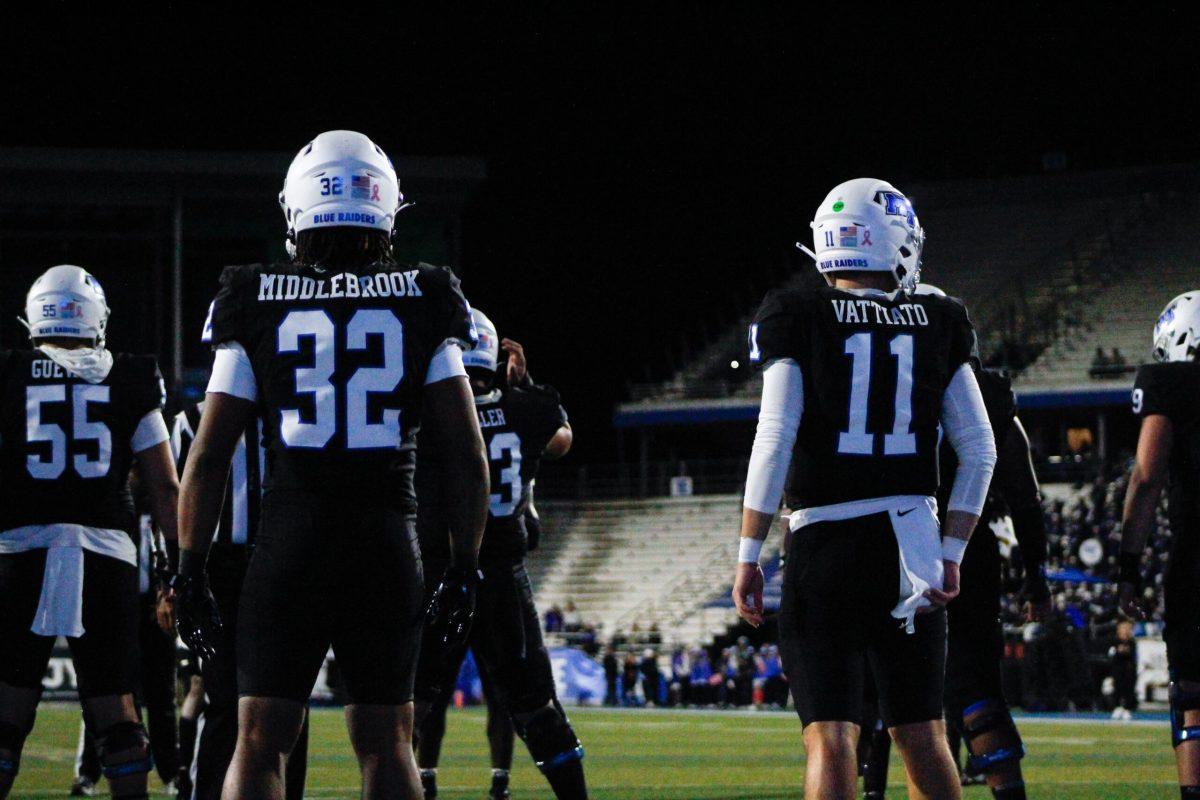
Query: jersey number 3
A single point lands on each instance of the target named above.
(317, 379)
(855, 440)
(510, 476)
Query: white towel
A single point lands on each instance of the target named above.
(918, 538)
(920, 544)
(60, 607)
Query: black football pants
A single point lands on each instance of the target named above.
(975, 645)
(506, 639)
(155, 693)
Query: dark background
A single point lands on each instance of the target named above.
(647, 175)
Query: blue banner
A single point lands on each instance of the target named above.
(578, 678)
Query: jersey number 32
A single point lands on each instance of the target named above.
(317, 380)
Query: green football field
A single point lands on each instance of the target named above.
(676, 756)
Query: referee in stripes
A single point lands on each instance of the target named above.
(227, 562)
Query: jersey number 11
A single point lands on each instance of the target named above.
(855, 440)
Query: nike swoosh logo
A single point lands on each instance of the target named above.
(902, 513)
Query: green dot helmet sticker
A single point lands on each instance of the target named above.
(839, 205)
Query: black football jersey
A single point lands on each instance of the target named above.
(65, 444)
(875, 369)
(1173, 390)
(517, 425)
(340, 360)
(243, 490)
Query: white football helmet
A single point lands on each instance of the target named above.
(487, 353)
(340, 178)
(868, 225)
(66, 301)
(1177, 332)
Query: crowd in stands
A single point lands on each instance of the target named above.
(1083, 656)
(742, 675)
(1083, 592)
(569, 624)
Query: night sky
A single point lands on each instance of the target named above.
(647, 175)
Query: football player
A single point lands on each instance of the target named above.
(345, 354)
(227, 561)
(857, 377)
(975, 705)
(1168, 455)
(522, 424)
(155, 690)
(74, 417)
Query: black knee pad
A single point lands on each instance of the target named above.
(550, 738)
(12, 739)
(1182, 700)
(991, 715)
(121, 737)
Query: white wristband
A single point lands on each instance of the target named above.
(953, 549)
(749, 549)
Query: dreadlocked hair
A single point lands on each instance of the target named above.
(343, 247)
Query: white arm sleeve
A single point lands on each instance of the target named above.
(446, 363)
(778, 423)
(181, 434)
(965, 422)
(232, 373)
(151, 430)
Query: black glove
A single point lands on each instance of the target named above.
(196, 613)
(452, 609)
(533, 529)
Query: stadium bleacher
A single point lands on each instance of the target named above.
(656, 561)
(664, 564)
(1120, 314)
